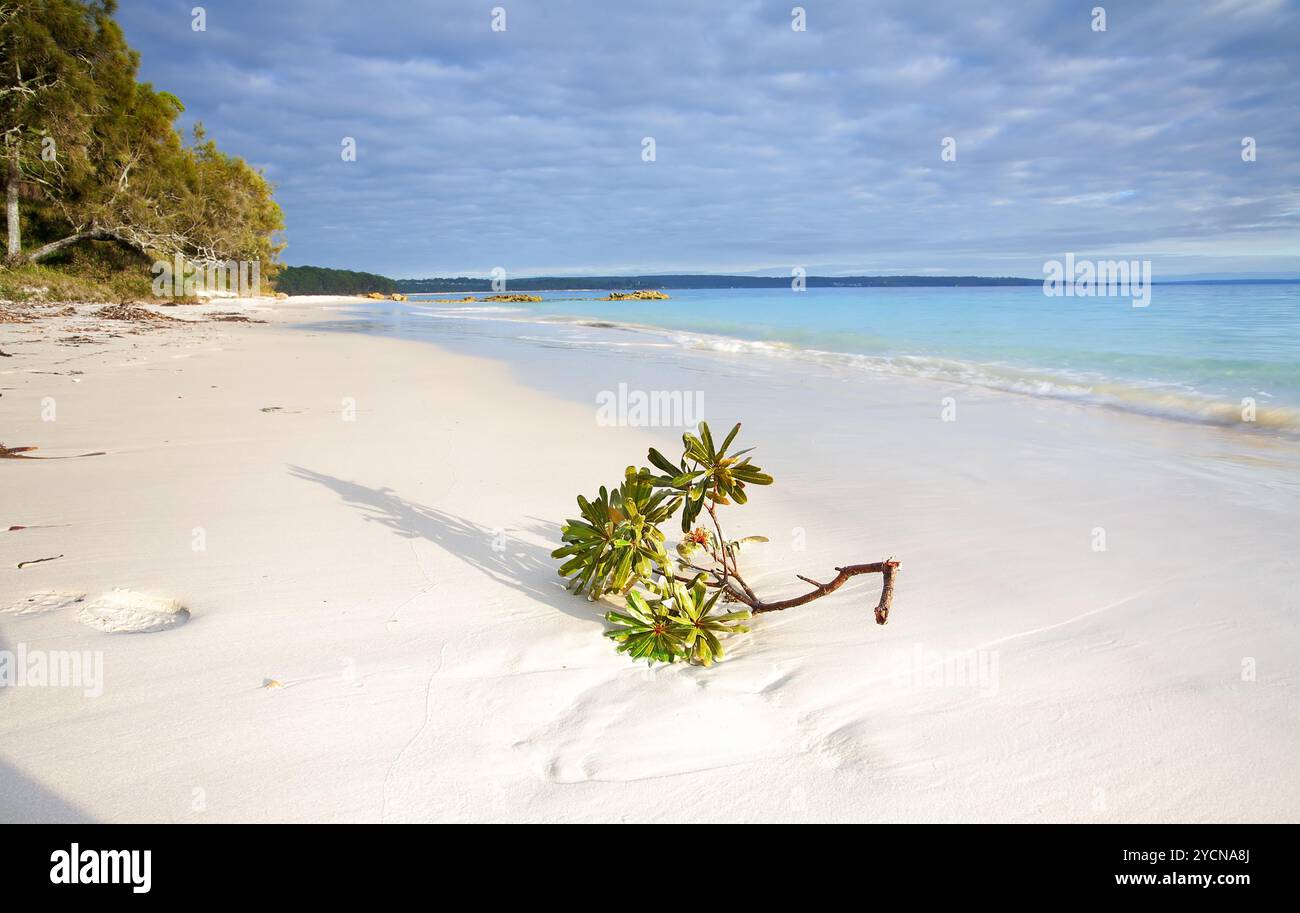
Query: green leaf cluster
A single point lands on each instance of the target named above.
(706, 472)
(617, 547)
(677, 622)
(617, 540)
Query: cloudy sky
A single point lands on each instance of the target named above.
(773, 147)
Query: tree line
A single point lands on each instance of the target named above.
(318, 280)
(91, 154)
(699, 281)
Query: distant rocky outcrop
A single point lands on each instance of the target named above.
(642, 295)
(513, 298)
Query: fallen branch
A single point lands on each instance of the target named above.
(23, 564)
(886, 568)
(16, 453)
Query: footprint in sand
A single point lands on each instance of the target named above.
(129, 612)
(37, 603)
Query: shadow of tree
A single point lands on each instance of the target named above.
(502, 554)
(24, 800)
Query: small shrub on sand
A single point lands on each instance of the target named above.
(681, 606)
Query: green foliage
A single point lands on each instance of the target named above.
(61, 58)
(697, 613)
(617, 541)
(42, 283)
(231, 207)
(706, 471)
(617, 547)
(679, 621)
(647, 631)
(317, 280)
(96, 153)
(98, 271)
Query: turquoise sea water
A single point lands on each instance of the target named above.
(1196, 352)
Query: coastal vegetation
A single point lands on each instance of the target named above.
(319, 280)
(680, 606)
(94, 272)
(92, 160)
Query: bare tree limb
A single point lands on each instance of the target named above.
(45, 250)
(887, 568)
(734, 587)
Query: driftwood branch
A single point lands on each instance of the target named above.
(726, 576)
(888, 569)
(20, 453)
(734, 588)
(23, 564)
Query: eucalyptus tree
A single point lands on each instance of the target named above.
(96, 154)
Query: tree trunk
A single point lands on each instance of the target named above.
(11, 205)
(92, 234)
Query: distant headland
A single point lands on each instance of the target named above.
(317, 280)
(699, 281)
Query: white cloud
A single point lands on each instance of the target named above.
(523, 148)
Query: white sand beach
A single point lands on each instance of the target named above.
(360, 527)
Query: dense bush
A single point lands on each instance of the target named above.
(91, 154)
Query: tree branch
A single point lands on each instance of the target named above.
(888, 569)
(93, 234)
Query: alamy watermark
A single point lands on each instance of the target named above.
(649, 408)
(975, 669)
(182, 278)
(24, 668)
(1080, 278)
(77, 866)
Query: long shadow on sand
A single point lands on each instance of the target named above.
(515, 562)
(24, 800)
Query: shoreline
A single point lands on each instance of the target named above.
(1249, 409)
(422, 674)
